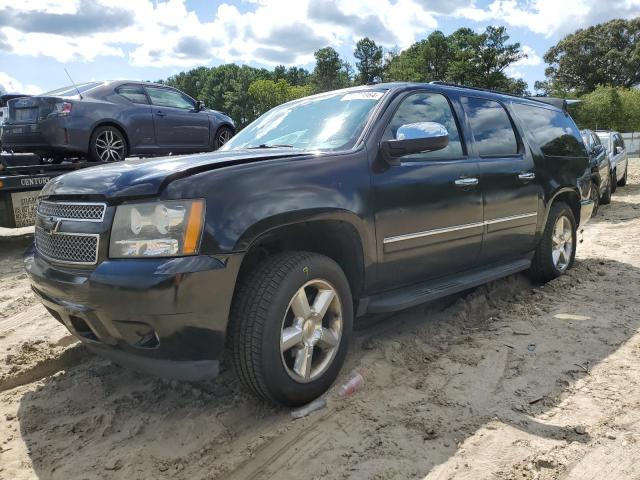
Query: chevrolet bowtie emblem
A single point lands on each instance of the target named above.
(51, 225)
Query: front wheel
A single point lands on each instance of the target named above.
(556, 251)
(614, 181)
(606, 196)
(223, 135)
(290, 326)
(623, 181)
(595, 197)
(107, 144)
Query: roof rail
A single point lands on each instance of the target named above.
(449, 84)
(554, 101)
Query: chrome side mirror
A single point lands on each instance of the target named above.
(415, 138)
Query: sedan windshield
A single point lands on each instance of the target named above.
(327, 122)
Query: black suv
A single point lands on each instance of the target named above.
(370, 199)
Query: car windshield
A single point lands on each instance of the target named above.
(328, 122)
(71, 90)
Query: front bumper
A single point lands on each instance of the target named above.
(166, 317)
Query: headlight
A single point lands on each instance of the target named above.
(158, 229)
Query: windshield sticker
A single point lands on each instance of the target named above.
(362, 96)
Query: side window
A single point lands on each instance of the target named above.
(134, 93)
(618, 142)
(491, 127)
(553, 130)
(169, 98)
(427, 107)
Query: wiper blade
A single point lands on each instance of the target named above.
(275, 145)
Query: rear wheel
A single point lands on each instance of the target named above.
(223, 135)
(623, 181)
(556, 251)
(107, 144)
(290, 326)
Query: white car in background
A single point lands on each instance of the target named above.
(617, 153)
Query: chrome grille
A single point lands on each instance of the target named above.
(88, 212)
(67, 247)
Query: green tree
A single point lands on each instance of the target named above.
(369, 64)
(607, 54)
(464, 57)
(329, 73)
(614, 108)
(266, 94)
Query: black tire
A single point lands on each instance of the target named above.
(606, 196)
(98, 148)
(543, 268)
(223, 135)
(595, 197)
(258, 315)
(623, 181)
(614, 181)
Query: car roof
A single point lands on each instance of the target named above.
(443, 87)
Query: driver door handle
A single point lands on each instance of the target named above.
(527, 176)
(467, 182)
(160, 113)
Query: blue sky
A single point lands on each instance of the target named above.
(152, 39)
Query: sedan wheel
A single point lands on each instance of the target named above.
(108, 145)
(311, 331)
(223, 135)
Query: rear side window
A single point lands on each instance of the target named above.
(491, 127)
(427, 107)
(135, 93)
(553, 130)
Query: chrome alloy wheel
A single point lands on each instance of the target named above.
(224, 135)
(311, 331)
(562, 243)
(110, 146)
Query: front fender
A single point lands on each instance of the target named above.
(246, 201)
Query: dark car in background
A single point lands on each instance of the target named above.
(365, 200)
(108, 121)
(4, 109)
(601, 170)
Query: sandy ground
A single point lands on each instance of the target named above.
(510, 381)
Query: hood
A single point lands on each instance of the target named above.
(148, 176)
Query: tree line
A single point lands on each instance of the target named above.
(464, 57)
(598, 65)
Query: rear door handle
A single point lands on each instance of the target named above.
(160, 113)
(466, 182)
(527, 176)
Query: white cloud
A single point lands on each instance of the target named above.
(12, 85)
(165, 33)
(552, 17)
(532, 58)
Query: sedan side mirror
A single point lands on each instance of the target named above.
(598, 149)
(199, 105)
(415, 138)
